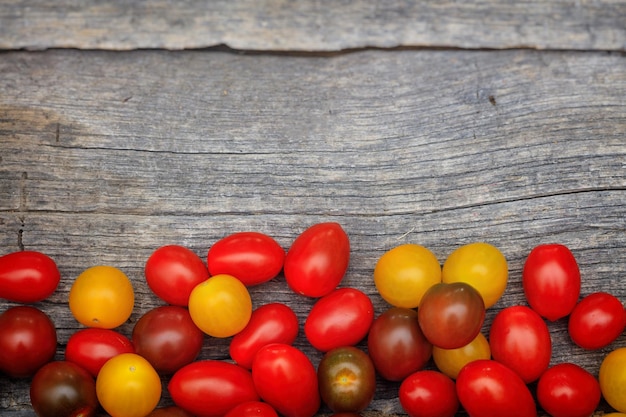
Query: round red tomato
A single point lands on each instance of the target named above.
(428, 394)
(520, 339)
(270, 323)
(397, 345)
(286, 379)
(252, 257)
(487, 388)
(317, 260)
(173, 271)
(597, 320)
(551, 281)
(27, 276)
(341, 318)
(567, 390)
(211, 388)
(168, 338)
(91, 348)
(252, 409)
(28, 340)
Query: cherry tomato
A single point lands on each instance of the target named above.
(252, 257)
(403, 274)
(128, 386)
(317, 260)
(612, 377)
(220, 306)
(172, 272)
(428, 394)
(102, 296)
(168, 338)
(551, 281)
(28, 340)
(451, 315)
(341, 318)
(27, 276)
(347, 379)
(451, 361)
(286, 379)
(91, 348)
(482, 266)
(567, 390)
(61, 389)
(211, 388)
(488, 388)
(252, 409)
(597, 320)
(520, 339)
(270, 323)
(397, 345)
(170, 411)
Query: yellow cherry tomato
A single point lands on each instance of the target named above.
(220, 306)
(102, 296)
(451, 361)
(403, 274)
(482, 266)
(612, 377)
(614, 415)
(128, 386)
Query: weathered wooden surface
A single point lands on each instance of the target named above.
(278, 25)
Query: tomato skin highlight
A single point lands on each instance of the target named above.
(92, 347)
(428, 394)
(341, 318)
(567, 390)
(27, 276)
(597, 320)
(317, 260)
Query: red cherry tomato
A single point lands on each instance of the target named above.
(252, 409)
(211, 388)
(341, 318)
(286, 379)
(270, 323)
(597, 320)
(173, 271)
(317, 260)
(551, 281)
(91, 348)
(520, 339)
(567, 390)
(27, 276)
(28, 340)
(428, 394)
(252, 257)
(487, 388)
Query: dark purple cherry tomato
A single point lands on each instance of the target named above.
(91, 348)
(63, 389)
(28, 340)
(170, 411)
(451, 315)
(567, 390)
(27, 276)
(252, 257)
(397, 345)
(341, 318)
(551, 281)
(597, 320)
(428, 394)
(317, 260)
(173, 271)
(252, 409)
(270, 323)
(168, 338)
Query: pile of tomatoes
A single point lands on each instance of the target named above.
(435, 316)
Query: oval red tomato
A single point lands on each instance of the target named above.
(211, 388)
(270, 323)
(551, 280)
(91, 348)
(597, 320)
(28, 340)
(428, 394)
(173, 271)
(317, 260)
(27, 276)
(252, 257)
(252, 409)
(341, 318)
(487, 388)
(567, 390)
(286, 379)
(520, 339)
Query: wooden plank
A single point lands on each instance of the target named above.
(278, 25)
